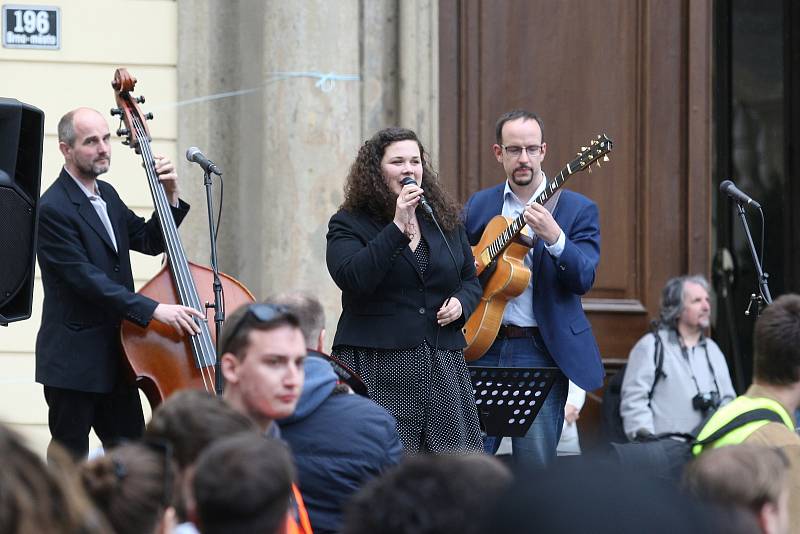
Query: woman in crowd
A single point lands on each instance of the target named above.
(406, 293)
(132, 486)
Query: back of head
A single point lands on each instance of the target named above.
(586, 494)
(131, 485)
(744, 475)
(428, 495)
(308, 311)
(243, 484)
(191, 419)
(36, 499)
(777, 342)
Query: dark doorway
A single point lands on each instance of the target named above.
(756, 109)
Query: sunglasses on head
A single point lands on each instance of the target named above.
(262, 313)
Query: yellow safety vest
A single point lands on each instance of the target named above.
(733, 409)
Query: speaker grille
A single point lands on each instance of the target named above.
(16, 242)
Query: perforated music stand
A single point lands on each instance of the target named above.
(508, 398)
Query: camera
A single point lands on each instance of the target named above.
(705, 401)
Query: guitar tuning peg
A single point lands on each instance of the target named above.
(140, 99)
(149, 116)
(584, 149)
(126, 142)
(123, 132)
(116, 111)
(598, 163)
(578, 154)
(593, 142)
(590, 169)
(606, 158)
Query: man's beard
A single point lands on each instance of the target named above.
(522, 180)
(94, 168)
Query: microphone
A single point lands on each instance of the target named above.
(194, 155)
(409, 180)
(730, 189)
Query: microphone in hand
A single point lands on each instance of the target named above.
(194, 155)
(730, 189)
(409, 180)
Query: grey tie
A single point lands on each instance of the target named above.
(100, 207)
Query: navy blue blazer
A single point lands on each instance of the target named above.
(88, 286)
(386, 302)
(557, 284)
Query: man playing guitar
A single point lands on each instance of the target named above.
(545, 325)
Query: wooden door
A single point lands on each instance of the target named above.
(639, 71)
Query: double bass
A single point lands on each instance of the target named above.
(159, 359)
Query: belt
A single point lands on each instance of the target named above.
(510, 331)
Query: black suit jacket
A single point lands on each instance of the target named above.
(386, 302)
(88, 286)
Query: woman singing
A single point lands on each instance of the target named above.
(404, 298)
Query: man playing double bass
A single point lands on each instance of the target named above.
(85, 235)
(545, 325)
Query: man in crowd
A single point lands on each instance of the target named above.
(775, 387)
(243, 485)
(262, 353)
(85, 235)
(545, 325)
(339, 440)
(744, 480)
(675, 375)
(189, 421)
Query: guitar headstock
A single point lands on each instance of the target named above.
(131, 116)
(598, 149)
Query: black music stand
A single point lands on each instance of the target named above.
(508, 398)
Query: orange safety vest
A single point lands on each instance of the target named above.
(298, 520)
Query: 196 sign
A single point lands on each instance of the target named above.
(31, 27)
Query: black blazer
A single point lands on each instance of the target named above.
(386, 302)
(88, 286)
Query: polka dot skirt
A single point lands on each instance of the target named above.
(427, 391)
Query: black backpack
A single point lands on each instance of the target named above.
(612, 428)
(665, 455)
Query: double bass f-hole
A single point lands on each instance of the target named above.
(158, 359)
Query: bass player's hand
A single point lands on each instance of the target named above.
(179, 317)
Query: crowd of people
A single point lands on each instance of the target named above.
(383, 434)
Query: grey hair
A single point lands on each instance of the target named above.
(66, 128)
(672, 297)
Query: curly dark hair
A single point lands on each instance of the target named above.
(366, 190)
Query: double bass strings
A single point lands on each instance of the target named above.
(202, 347)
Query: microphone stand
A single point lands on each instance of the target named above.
(762, 276)
(219, 309)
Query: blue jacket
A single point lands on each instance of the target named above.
(339, 441)
(557, 284)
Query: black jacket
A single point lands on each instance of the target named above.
(386, 302)
(88, 286)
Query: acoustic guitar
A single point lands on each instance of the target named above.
(499, 257)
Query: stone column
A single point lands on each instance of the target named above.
(418, 45)
(251, 101)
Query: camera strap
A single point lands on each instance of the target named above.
(685, 352)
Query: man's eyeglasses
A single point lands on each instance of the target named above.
(516, 151)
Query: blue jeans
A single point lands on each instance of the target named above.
(538, 448)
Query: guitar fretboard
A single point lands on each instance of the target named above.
(506, 236)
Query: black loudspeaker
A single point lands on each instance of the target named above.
(21, 138)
